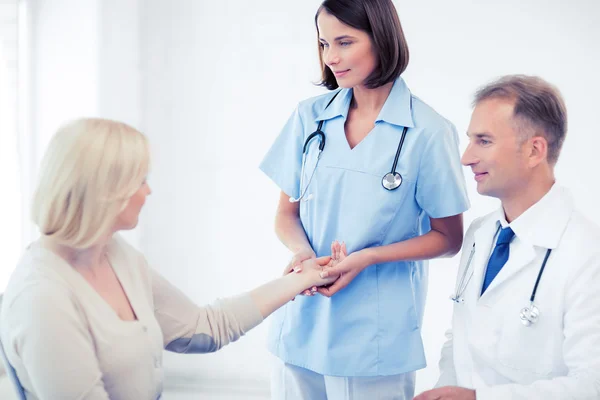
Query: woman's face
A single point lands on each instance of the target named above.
(347, 51)
(128, 218)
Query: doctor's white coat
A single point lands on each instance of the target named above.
(489, 349)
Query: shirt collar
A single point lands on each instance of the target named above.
(339, 106)
(396, 110)
(543, 223)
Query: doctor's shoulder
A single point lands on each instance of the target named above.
(473, 227)
(582, 235)
(579, 251)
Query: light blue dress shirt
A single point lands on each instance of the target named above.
(373, 326)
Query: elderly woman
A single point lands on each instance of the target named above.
(84, 316)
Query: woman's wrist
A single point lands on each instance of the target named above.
(300, 281)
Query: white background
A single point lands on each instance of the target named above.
(212, 83)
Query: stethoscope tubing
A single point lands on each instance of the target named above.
(319, 133)
(458, 297)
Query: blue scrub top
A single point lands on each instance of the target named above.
(371, 327)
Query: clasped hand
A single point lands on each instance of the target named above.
(340, 268)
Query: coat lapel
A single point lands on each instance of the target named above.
(484, 237)
(535, 232)
(521, 255)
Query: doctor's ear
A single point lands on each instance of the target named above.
(538, 148)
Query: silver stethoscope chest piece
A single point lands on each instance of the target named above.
(391, 180)
(529, 315)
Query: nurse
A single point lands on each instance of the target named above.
(360, 338)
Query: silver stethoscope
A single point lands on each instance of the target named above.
(528, 315)
(390, 181)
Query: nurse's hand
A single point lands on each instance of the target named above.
(346, 270)
(295, 263)
(300, 256)
(447, 393)
(338, 253)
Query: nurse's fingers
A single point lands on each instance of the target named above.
(302, 256)
(322, 261)
(338, 285)
(334, 245)
(299, 257)
(336, 270)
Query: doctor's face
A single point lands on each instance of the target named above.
(495, 151)
(347, 51)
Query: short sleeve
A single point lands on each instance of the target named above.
(441, 190)
(283, 162)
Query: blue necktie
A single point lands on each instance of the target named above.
(498, 258)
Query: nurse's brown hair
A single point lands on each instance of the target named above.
(379, 19)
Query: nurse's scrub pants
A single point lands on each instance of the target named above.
(289, 382)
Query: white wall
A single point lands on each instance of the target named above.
(80, 59)
(211, 83)
(10, 203)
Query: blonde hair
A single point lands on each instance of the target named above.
(89, 171)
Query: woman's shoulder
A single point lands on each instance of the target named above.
(121, 247)
(34, 284)
(130, 262)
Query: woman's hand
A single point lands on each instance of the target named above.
(310, 271)
(345, 271)
(338, 253)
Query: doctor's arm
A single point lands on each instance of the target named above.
(447, 371)
(445, 388)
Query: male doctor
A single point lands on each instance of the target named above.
(503, 345)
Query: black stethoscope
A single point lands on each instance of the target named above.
(528, 315)
(390, 181)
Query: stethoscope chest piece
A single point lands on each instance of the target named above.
(529, 315)
(391, 180)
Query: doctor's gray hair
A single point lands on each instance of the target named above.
(379, 19)
(539, 109)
